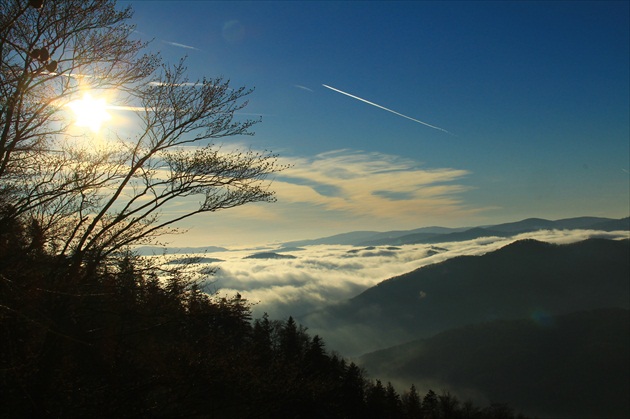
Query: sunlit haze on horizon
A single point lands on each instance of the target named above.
(536, 95)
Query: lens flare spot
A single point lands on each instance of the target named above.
(542, 318)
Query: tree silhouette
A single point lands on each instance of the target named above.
(376, 400)
(448, 404)
(97, 200)
(353, 388)
(412, 404)
(393, 402)
(430, 405)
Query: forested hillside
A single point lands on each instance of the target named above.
(123, 339)
(574, 365)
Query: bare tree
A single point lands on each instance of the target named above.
(98, 200)
(50, 53)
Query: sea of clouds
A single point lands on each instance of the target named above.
(326, 274)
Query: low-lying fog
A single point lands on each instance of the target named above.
(324, 274)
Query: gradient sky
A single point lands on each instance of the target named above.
(534, 96)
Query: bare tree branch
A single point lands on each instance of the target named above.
(96, 202)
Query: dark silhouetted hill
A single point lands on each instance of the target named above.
(157, 250)
(269, 255)
(367, 238)
(513, 282)
(612, 225)
(573, 366)
(345, 238)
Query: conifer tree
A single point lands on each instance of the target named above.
(412, 404)
(393, 402)
(430, 405)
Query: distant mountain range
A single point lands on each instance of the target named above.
(539, 326)
(427, 235)
(516, 281)
(424, 235)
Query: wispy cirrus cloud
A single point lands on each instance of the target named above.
(344, 190)
(160, 83)
(299, 86)
(375, 185)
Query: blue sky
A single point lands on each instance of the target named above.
(535, 94)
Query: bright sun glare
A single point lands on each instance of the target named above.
(90, 112)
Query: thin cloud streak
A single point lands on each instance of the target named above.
(176, 44)
(159, 83)
(387, 109)
(127, 108)
(299, 86)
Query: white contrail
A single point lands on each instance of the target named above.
(177, 44)
(387, 109)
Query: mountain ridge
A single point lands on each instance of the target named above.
(435, 234)
(511, 282)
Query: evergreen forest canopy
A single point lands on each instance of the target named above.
(87, 328)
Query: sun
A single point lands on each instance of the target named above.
(90, 112)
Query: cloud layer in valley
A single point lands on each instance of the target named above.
(321, 275)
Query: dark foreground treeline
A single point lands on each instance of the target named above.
(125, 340)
